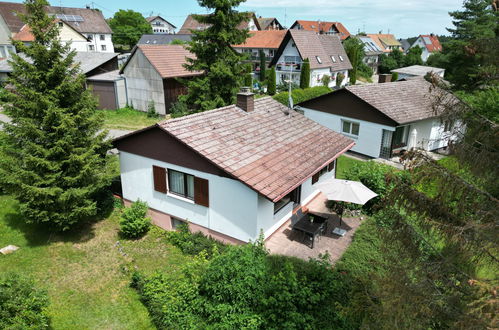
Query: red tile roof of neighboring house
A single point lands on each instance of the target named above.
(382, 39)
(433, 45)
(264, 39)
(25, 33)
(168, 60)
(319, 26)
(271, 149)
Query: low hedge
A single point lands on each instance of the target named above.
(193, 243)
(302, 95)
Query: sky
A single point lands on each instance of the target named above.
(404, 18)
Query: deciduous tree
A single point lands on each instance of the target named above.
(355, 51)
(128, 26)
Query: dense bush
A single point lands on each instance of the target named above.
(302, 95)
(22, 306)
(134, 223)
(151, 110)
(179, 109)
(193, 243)
(244, 287)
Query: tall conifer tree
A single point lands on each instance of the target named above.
(222, 66)
(305, 74)
(53, 158)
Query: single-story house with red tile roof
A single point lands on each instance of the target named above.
(325, 52)
(382, 118)
(232, 172)
(429, 43)
(151, 74)
(321, 27)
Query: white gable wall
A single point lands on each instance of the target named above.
(419, 42)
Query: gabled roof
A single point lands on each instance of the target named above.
(431, 42)
(312, 45)
(322, 27)
(272, 149)
(384, 40)
(370, 47)
(162, 39)
(418, 70)
(152, 18)
(81, 19)
(168, 60)
(191, 23)
(405, 44)
(88, 61)
(266, 22)
(403, 101)
(264, 39)
(26, 35)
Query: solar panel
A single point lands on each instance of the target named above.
(69, 18)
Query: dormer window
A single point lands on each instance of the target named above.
(318, 60)
(333, 58)
(341, 57)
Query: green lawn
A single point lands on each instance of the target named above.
(85, 274)
(127, 119)
(343, 164)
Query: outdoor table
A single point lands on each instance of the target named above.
(310, 228)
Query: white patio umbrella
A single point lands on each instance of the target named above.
(346, 191)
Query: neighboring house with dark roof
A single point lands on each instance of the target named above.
(384, 118)
(163, 39)
(320, 27)
(233, 172)
(418, 71)
(429, 43)
(372, 52)
(191, 23)
(160, 25)
(386, 42)
(269, 23)
(89, 22)
(267, 41)
(67, 34)
(150, 73)
(325, 52)
(405, 45)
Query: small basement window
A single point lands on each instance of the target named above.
(318, 60)
(349, 127)
(176, 222)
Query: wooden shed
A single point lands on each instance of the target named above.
(109, 88)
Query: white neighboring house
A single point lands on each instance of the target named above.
(160, 25)
(429, 43)
(381, 118)
(232, 172)
(325, 52)
(417, 71)
(88, 22)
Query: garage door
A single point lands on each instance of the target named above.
(105, 93)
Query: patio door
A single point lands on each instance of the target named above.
(386, 144)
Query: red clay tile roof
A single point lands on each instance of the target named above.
(93, 20)
(264, 39)
(434, 44)
(319, 26)
(168, 60)
(271, 149)
(403, 101)
(25, 33)
(382, 39)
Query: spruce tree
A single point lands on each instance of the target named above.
(305, 74)
(53, 155)
(271, 85)
(222, 67)
(263, 66)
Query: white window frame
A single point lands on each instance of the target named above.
(333, 58)
(350, 127)
(341, 57)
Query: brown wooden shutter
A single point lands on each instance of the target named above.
(315, 177)
(159, 176)
(330, 167)
(201, 192)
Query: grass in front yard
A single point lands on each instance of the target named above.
(127, 119)
(85, 274)
(343, 164)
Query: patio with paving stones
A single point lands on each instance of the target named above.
(291, 243)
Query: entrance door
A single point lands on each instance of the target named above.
(386, 144)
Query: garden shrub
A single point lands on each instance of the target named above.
(193, 243)
(151, 110)
(302, 95)
(22, 306)
(179, 109)
(133, 222)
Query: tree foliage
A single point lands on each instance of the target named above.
(271, 82)
(134, 222)
(305, 74)
(128, 26)
(222, 67)
(53, 159)
(413, 56)
(355, 52)
(263, 66)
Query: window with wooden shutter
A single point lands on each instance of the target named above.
(159, 177)
(330, 167)
(201, 192)
(315, 177)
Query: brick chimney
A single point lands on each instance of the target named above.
(383, 78)
(246, 99)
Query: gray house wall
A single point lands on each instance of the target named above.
(144, 84)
